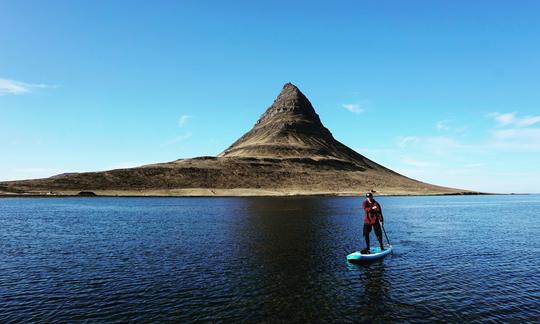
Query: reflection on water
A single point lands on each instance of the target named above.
(283, 240)
(267, 259)
(374, 286)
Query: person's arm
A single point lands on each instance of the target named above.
(380, 213)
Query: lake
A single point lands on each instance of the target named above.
(456, 259)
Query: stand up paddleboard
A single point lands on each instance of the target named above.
(375, 254)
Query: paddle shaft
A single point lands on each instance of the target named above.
(382, 226)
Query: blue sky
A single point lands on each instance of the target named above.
(444, 92)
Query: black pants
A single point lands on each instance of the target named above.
(376, 228)
(378, 232)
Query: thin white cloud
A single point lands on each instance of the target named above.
(404, 141)
(503, 119)
(443, 125)
(511, 119)
(184, 119)
(13, 87)
(460, 160)
(354, 108)
(519, 134)
(177, 139)
(514, 133)
(528, 121)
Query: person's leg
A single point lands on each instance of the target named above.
(378, 233)
(367, 230)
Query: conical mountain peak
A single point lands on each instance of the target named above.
(290, 89)
(290, 128)
(290, 106)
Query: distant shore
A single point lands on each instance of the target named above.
(200, 192)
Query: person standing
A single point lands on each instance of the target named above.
(372, 216)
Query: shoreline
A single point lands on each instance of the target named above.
(251, 195)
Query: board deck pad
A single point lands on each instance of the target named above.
(375, 254)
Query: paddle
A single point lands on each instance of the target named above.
(382, 226)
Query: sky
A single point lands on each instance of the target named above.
(446, 92)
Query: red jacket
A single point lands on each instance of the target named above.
(370, 215)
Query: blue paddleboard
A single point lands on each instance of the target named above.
(375, 253)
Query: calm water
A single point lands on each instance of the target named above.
(456, 259)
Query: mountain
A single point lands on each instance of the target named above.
(290, 128)
(287, 152)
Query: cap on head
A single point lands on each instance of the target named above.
(369, 195)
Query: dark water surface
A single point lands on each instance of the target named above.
(473, 258)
